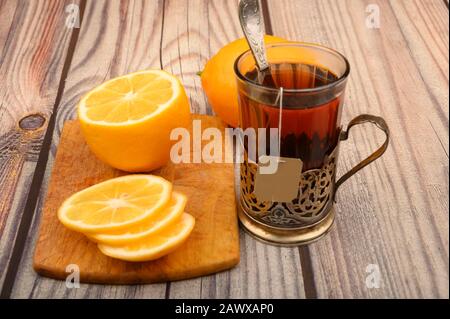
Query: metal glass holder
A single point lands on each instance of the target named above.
(311, 215)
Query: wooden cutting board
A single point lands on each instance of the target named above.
(213, 245)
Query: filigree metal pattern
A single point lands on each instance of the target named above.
(315, 192)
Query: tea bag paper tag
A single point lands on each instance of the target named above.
(278, 178)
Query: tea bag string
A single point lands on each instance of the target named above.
(280, 99)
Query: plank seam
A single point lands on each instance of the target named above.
(38, 176)
(167, 294)
(266, 16)
(307, 272)
(162, 33)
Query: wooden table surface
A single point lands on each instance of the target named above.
(392, 217)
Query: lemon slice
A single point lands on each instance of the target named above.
(155, 246)
(130, 98)
(115, 204)
(152, 225)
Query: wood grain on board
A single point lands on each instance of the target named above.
(33, 46)
(394, 213)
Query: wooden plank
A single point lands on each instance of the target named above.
(193, 31)
(7, 11)
(424, 26)
(394, 214)
(33, 45)
(116, 37)
(264, 272)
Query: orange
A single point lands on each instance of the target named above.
(219, 80)
(127, 121)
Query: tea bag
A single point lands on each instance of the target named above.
(278, 178)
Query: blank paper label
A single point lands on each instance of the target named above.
(283, 184)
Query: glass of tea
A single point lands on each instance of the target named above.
(302, 97)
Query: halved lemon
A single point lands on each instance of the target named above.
(127, 121)
(155, 246)
(115, 204)
(157, 222)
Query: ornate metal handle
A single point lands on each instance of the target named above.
(252, 24)
(364, 118)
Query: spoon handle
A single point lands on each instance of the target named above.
(252, 24)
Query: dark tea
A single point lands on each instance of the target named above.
(310, 125)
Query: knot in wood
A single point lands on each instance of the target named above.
(32, 122)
